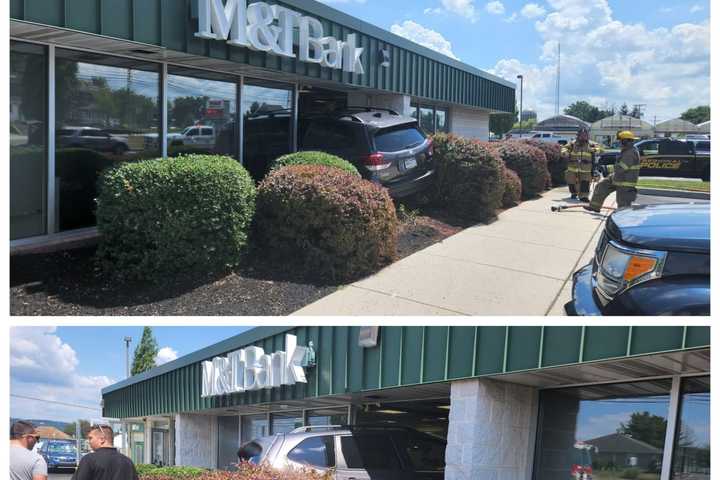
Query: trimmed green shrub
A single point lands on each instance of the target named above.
(556, 162)
(630, 473)
(314, 158)
(326, 220)
(513, 188)
(528, 162)
(182, 214)
(151, 471)
(468, 177)
(245, 471)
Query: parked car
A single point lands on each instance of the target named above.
(550, 137)
(198, 135)
(382, 452)
(91, 138)
(666, 157)
(59, 454)
(650, 260)
(386, 147)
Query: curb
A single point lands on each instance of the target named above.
(674, 193)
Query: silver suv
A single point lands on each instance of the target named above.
(382, 452)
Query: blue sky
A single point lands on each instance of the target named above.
(646, 52)
(72, 364)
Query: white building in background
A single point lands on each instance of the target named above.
(676, 127)
(604, 131)
(704, 128)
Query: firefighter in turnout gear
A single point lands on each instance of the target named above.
(581, 158)
(624, 177)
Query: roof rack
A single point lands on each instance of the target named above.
(370, 109)
(308, 428)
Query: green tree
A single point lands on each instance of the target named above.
(624, 110)
(646, 428)
(697, 115)
(185, 111)
(84, 429)
(584, 111)
(501, 123)
(145, 353)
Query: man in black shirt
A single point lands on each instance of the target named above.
(105, 462)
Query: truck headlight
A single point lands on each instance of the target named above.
(622, 267)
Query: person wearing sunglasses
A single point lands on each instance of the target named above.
(24, 463)
(105, 462)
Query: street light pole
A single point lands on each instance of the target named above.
(521, 99)
(127, 356)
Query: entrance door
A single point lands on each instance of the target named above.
(160, 447)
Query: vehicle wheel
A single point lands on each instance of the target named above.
(705, 177)
(119, 149)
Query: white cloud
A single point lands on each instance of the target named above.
(696, 8)
(604, 58)
(512, 18)
(495, 8)
(43, 366)
(423, 36)
(165, 355)
(463, 8)
(532, 10)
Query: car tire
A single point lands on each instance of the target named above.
(119, 149)
(705, 177)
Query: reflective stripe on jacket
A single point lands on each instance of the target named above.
(581, 158)
(627, 168)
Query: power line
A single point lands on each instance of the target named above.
(56, 402)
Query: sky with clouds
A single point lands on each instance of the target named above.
(70, 365)
(651, 52)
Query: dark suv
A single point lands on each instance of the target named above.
(386, 147)
(650, 260)
(382, 452)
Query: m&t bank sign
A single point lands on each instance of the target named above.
(269, 28)
(251, 369)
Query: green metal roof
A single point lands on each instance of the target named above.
(414, 70)
(404, 356)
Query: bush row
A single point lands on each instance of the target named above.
(245, 471)
(312, 211)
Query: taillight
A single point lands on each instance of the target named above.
(430, 150)
(575, 469)
(376, 161)
(588, 470)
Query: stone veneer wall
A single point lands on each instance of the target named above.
(491, 435)
(195, 439)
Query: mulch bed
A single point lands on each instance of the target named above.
(68, 283)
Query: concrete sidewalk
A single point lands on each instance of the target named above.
(521, 264)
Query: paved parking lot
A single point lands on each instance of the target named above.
(60, 476)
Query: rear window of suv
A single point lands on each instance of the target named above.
(398, 138)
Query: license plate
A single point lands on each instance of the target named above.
(410, 163)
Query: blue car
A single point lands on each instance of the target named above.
(59, 454)
(650, 260)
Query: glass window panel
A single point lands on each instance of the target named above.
(398, 138)
(441, 121)
(228, 442)
(254, 426)
(28, 140)
(268, 122)
(691, 458)
(315, 451)
(107, 112)
(427, 117)
(328, 416)
(605, 431)
(286, 422)
(202, 113)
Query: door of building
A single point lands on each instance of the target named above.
(228, 442)
(160, 447)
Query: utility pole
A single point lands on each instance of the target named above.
(127, 356)
(78, 442)
(521, 99)
(557, 84)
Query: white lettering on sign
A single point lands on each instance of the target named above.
(251, 369)
(269, 28)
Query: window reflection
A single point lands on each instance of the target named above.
(286, 422)
(267, 116)
(107, 112)
(441, 124)
(427, 119)
(202, 113)
(28, 140)
(328, 416)
(691, 459)
(604, 432)
(254, 426)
